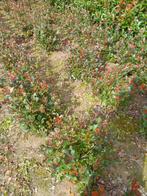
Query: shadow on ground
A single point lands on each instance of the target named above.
(129, 161)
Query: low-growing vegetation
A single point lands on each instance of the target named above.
(80, 153)
(105, 42)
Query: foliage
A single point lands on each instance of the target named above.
(31, 99)
(29, 93)
(107, 44)
(125, 15)
(116, 38)
(120, 83)
(119, 14)
(106, 40)
(46, 36)
(79, 153)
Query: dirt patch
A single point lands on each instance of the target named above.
(23, 166)
(65, 188)
(86, 100)
(28, 146)
(77, 95)
(128, 165)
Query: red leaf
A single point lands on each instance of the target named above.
(135, 188)
(95, 193)
(58, 120)
(97, 130)
(135, 185)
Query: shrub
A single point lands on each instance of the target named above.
(125, 15)
(116, 38)
(118, 84)
(79, 154)
(32, 99)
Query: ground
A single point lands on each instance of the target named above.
(23, 165)
(20, 150)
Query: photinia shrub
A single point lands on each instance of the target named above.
(79, 154)
(32, 99)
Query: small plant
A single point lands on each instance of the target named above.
(79, 154)
(47, 37)
(32, 100)
(118, 84)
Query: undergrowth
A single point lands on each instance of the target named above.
(106, 40)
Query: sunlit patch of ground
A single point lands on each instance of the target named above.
(80, 93)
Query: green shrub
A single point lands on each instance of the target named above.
(116, 38)
(79, 154)
(32, 100)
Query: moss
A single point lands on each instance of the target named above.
(124, 125)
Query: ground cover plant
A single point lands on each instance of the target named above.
(117, 33)
(29, 93)
(105, 43)
(79, 154)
